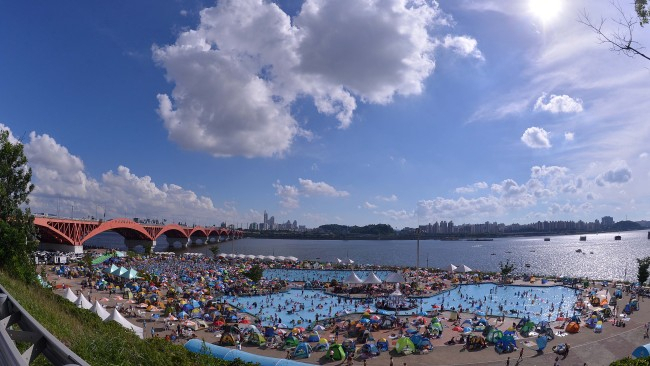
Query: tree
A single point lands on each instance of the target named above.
(621, 40)
(255, 273)
(17, 230)
(506, 269)
(644, 264)
(215, 250)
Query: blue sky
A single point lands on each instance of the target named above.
(327, 111)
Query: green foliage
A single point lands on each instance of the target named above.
(643, 11)
(378, 229)
(95, 341)
(644, 264)
(215, 250)
(17, 230)
(631, 362)
(506, 268)
(255, 273)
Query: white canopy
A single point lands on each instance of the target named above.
(82, 302)
(281, 258)
(99, 310)
(395, 277)
(372, 278)
(292, 258)
(69, 295)
(241, 256)
(352, 278)
(464, 269)
(270, 258)
(116, 316)
(450, 268)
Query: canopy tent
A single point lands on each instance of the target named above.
(119, 271)
(372, 279)
(395, 277)
(69, 295)
(130, 274)
(82, 302)
(116, 316)
(112, 269)
(450, 268)
(99, 310)
(101, 259)
(464, 269)
(292, 258)
(352, 279)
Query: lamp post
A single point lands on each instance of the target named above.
(417, 259)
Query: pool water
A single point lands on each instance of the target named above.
(305, 275)
(300, 307)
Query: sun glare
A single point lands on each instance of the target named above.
(545, 10)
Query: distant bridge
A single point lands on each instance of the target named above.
(69, 235)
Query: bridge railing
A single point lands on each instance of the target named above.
(16, 325)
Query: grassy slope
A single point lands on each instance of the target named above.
(97, 342)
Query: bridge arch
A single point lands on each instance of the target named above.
(129, 229)
(173, 231)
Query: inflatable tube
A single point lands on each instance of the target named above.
(229, 354)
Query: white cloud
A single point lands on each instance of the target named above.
(397, 215)
(643, 155)
(465, 46)
(472, 188)
(536, 138)
(238, 73)
(569, 136)
(310, 187)
(391, 198)
(559, 104)
(443, 208)
(369, 205)
(289, 195)
(618, 175)
(61, 181)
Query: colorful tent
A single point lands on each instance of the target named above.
(337, 352)
(641, 351)
(404, 346)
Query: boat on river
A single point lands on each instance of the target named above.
(583, 238)
(617, 237)
(547, 239)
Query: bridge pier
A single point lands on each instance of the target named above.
(148, 245)
(66, 248)
(172, 241)
(198, 240)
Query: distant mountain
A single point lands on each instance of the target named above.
(626, 225)
(644, 223)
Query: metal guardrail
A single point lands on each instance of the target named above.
(16, 325)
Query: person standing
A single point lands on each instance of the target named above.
(521, 354)
(508, 362)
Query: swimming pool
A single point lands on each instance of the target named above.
(302, 306)
(305, 275)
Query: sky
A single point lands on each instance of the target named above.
(327, 112)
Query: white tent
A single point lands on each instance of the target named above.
(352, 278)
(269, 258)
(241, 256)
(395, 277)
(464, 269)
(339, 260)
(450, 268)
(260, 257)
(99, 310)
(69, 295)
(116, 316)
(82, 302)
(350, 261)
(111, 269)
(292, 258)
(372, 278)
(250, 256)
(281, 258)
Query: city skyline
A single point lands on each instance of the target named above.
(327, 111)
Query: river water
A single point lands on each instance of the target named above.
(600, 255)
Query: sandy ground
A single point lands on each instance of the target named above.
(587, 347)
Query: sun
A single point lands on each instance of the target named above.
(545, 10)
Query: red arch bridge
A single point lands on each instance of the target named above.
(68, 235)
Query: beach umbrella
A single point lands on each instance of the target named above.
(464, 269)
(450, 268)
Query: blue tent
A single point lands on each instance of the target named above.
(541, 343)
(303, 350)
(642, 351)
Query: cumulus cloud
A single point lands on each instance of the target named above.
(60, 180)
(462, 207)
(643, 155)
(310, 187)
(536, 138)
(463, 45)
(290, 195)
(618, 175)
(472, 188)
(568, 136)
(238, 73)
(397, 215)
(12, 139)
(558, 104)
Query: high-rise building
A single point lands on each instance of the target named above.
(607, 221)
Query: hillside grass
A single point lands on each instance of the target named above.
(95, 341)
